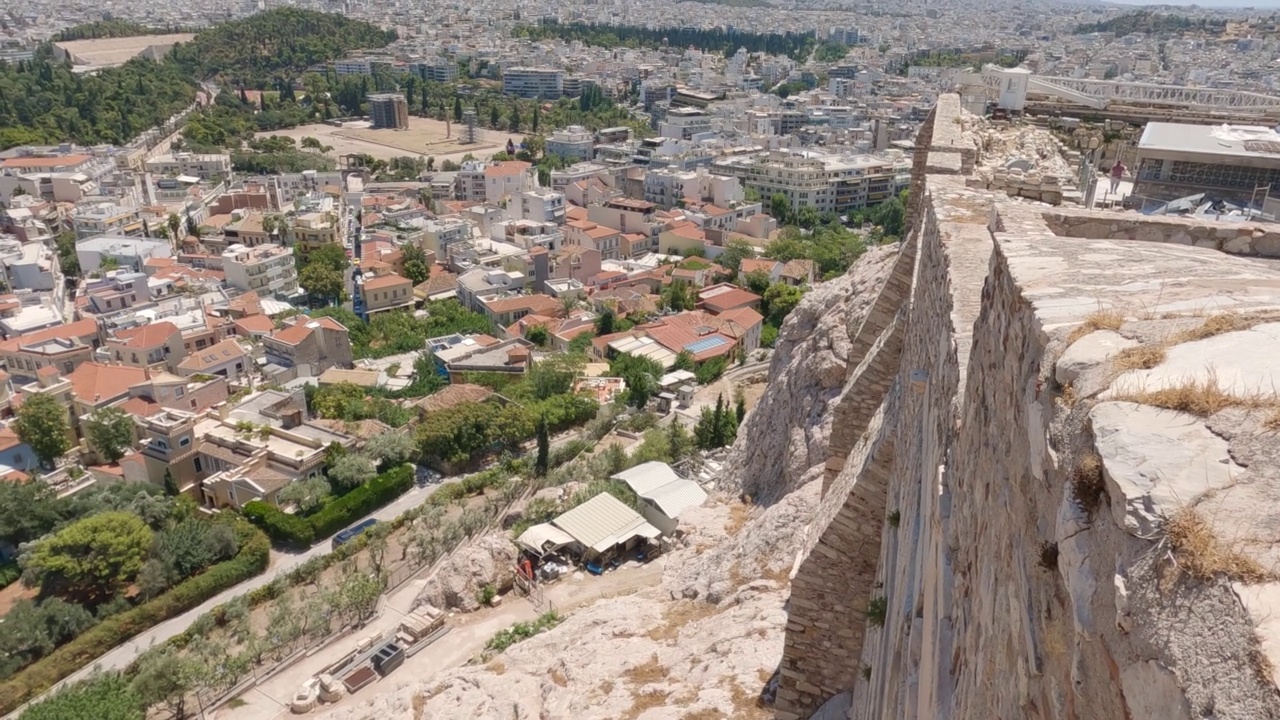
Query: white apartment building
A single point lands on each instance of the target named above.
(495, 182)
(437, 70)
(438, 234)
(809, 178)
(538, 204)
(574, 143)
(27, 266)
(268, 269)
(107, 219)
(684, 122)
(533, 83)
(581, 171)
(291, 186)
(352, 66)
(202, 166)
(666, 187)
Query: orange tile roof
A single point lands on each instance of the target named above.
(762, 264)
(730, 299)
(575, 213)
(507, 168)
(94, 383)
(222, 352)
(536, 304)
(451, 396)
(78, 329)
(384, 281)
(147, 336)
(292, 334)
(745, 316)
(255, 324)
(9, 438)
(140, 407)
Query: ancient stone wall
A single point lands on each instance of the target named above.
(955, 567)
(1236, 238)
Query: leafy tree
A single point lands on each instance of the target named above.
(110, 432)
(554, 375)
(28, 511)
(684, 361)
(779, 300)
(32, 630)
(415, 264)
(890, 215)
(735, 251)
(322, 281)
(92, 556)
(391, 449)
(641, 375)
(538, 335)
(716, 427)
(42, 424)
(331, 256)
(193, 545)
(711, 370)
(542, 463)
(351, 470)
(757, 281)
(307, 494)
(780, 208)
(108, 696)
(605, 323)
(166, 676)
(679, 296)
(768, 335)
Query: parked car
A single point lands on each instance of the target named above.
(351, 533)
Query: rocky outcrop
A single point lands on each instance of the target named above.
(782, 444)
(457, 584)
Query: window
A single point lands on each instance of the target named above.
(185, 441)
(179, 391)
(199, 465)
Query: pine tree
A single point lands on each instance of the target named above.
(495, 117)
(515, 118)
(537, 108)
(740, 408)
(170, 485)
(457, 109)
(717, 423)
(244, 96)
(544, 448)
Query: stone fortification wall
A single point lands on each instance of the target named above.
(993, 539)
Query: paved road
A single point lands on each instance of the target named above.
(122, 655)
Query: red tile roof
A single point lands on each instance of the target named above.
(212, 356)
(147, 336)
(95, 383)
(507, 168)
(255, 324)
(292, 334)
(385, 281)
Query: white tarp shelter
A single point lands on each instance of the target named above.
(544, 538)
(665, 494)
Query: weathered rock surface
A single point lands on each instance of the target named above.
(1156, 461)
(1089, 352)
(783, 442)
(489, 560)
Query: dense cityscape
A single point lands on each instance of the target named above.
(348, 343)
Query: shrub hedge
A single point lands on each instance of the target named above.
(9, 573)
(93, 643)
(281, 527)
(292, 531)
(361, 501)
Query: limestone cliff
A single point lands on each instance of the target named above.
(1050, 488)
(783, 443)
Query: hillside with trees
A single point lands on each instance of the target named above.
(43, 102)
(278, 43)
(1145, 22)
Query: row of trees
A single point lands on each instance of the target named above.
(797, 46)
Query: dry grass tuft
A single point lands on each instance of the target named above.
(497, 667)
(1263, 668)
(1142, 357)
(1272, 421)
(1197, 397)
(1068, 396)
(644, 701)
(419, 704)
(559, 678)
(1203, 555)
(1087, 484)
(1100, 320)
(606, 687)
(677, 615)
(746, 704)
(739, 513)
(704, 714)
(649, 672)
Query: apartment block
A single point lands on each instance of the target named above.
(203, 166)
(106, 219)
(574, 143)
(440, 233)
(533, 83)
(268, 270)
(825, 182)
(154, 346)
(306, 347)
(440, 70)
